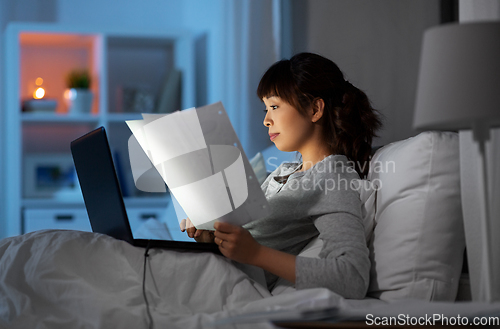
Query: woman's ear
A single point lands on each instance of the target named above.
(318, 108)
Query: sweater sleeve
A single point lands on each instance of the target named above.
(343, 265)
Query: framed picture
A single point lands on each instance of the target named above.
(50, 175)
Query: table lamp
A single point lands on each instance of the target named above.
(459, 89)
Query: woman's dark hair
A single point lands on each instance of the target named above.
(349, 122)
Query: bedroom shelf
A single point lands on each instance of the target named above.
(160, 201)
(128, 68)
(37, 118)
(122, 117)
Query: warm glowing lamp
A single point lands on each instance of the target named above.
(39, 91)
(39, 103)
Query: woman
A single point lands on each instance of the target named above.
(311, 109)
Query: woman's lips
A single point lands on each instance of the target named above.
(273, 136)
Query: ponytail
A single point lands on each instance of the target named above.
(350, 128)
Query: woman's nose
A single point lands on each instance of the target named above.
(267, 120)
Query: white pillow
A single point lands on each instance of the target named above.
(259, 167)
(418, 241)
(368, 195)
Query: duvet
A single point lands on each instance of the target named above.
(71, 279)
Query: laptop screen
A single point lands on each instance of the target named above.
(100, 187)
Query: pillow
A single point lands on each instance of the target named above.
(368, 195)
(418, 240)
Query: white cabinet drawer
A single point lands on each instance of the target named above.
(77, 218)
(138, 216)
(61, 219)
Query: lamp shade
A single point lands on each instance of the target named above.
(459, 78)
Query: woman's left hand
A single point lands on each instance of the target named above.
(236, 243)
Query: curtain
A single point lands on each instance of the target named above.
(251, 47)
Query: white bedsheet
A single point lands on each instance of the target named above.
(70, 279)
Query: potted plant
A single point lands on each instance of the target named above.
(78, 94)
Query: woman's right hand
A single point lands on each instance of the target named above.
(199, 235)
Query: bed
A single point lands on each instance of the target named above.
(72, 279)
(412, 215)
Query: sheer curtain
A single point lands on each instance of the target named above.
(252, 43)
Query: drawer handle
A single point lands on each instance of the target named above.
(64, 218)
(148, 216)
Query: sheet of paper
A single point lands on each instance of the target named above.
(208, 181)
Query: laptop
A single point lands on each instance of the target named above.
(103, 197)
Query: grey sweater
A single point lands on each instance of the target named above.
(317, 202)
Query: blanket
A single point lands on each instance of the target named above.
(71, 279)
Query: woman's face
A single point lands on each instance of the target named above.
(289, 130)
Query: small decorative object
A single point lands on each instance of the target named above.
(138, 99)
(50, 175)
(39, 103)
(39, 92)
(78, 95)
(144, 101)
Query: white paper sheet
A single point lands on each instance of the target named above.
(208, 181)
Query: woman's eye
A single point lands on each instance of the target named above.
(273, 107)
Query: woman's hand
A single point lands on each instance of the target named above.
(236, 243)
(199, 235)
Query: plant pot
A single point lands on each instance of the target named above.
(79, 100)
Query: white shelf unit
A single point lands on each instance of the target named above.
(115, 58)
